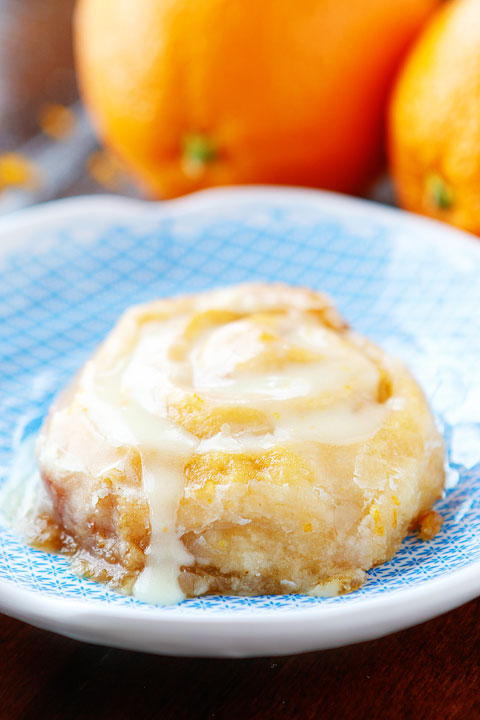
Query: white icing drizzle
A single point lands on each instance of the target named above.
(164, 448)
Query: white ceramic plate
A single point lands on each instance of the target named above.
(69, 268)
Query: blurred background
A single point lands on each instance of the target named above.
(370, 97)
(47, 145)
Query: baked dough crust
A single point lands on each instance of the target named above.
(300, 489)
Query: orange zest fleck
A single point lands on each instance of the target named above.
(17, 171)
(377, 519)
(430, 525)
(106, 169)
(55, 120)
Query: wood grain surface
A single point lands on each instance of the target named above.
(431, 671)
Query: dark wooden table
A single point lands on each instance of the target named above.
(432, 671)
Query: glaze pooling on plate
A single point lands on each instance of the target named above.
(403, 283)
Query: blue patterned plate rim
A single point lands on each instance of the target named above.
(123, 208)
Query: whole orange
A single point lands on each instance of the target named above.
(435, 119)
(194, 93)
